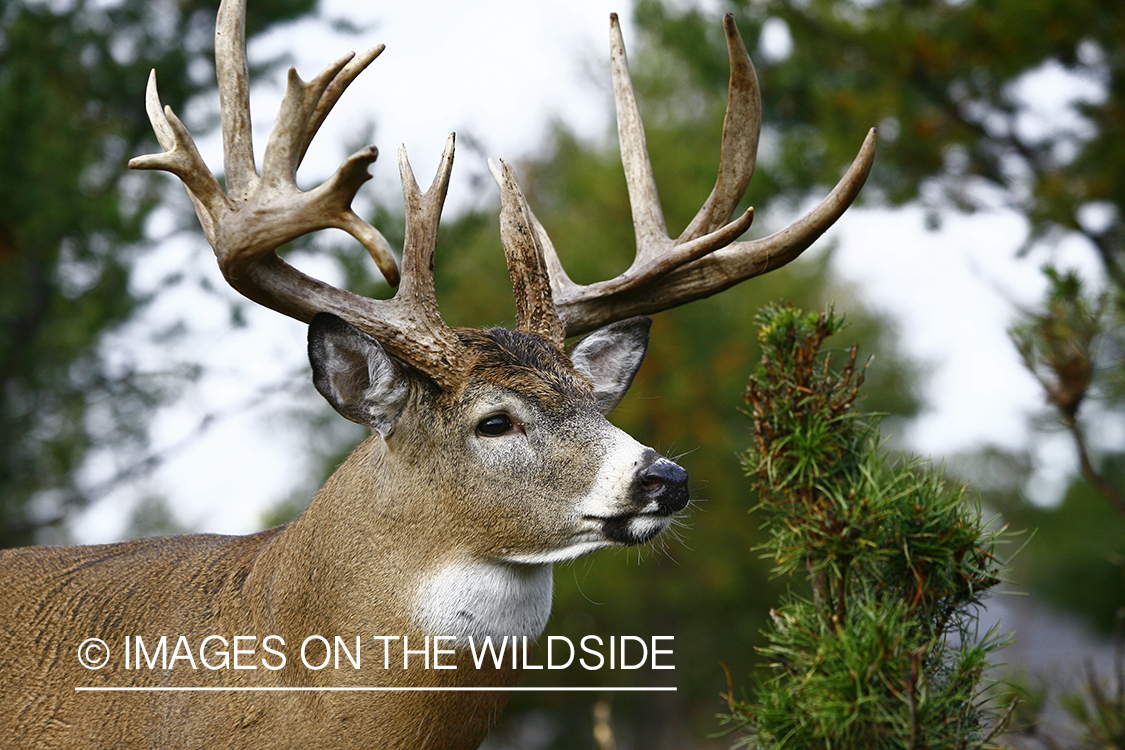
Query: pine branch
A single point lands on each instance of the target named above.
(884, 652)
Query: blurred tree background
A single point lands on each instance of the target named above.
(953, 87)
(72, 227)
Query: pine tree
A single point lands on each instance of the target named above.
(880, 650)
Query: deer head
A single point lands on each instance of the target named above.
(373, 365)
(490, 456)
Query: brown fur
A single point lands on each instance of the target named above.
(351, 564)
(525, 364)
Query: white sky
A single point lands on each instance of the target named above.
(500, 70)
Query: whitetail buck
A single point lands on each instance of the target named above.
(490, 456)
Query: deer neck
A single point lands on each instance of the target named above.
(373, 552)
(473, 599)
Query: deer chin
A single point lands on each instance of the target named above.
(562, 554)
(631, 529)
(621, 529)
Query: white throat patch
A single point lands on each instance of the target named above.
(481, 599)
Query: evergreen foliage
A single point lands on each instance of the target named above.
(881, 652)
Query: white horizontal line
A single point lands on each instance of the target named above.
(372, 689)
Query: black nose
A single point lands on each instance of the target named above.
(666, 483)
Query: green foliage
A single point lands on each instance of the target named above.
(72, 224)
(882, 652)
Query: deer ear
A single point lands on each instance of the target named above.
(355, 374)
(610, 357)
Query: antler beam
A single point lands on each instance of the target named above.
(705, 259)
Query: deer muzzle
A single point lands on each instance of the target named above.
(659, 490)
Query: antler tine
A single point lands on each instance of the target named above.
(705, 259)
(303, 109)
(644, 199)
(410, 325)
(287, 139)
(181, 158)
(742, 127)
(657, 254)
(523, 239)
(559, 280)
(334, 90)
(423, 214)
(233, 75)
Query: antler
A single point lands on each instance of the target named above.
(705, 259)
(256, 215)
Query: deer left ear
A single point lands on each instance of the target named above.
(355, 374)
(610, 358)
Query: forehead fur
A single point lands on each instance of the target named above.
(526, 364)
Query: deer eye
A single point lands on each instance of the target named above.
(495, 425)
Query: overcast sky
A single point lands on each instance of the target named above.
(499, 71)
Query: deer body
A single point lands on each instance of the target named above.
(385, 549)
(156, 589)
(490, 457)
